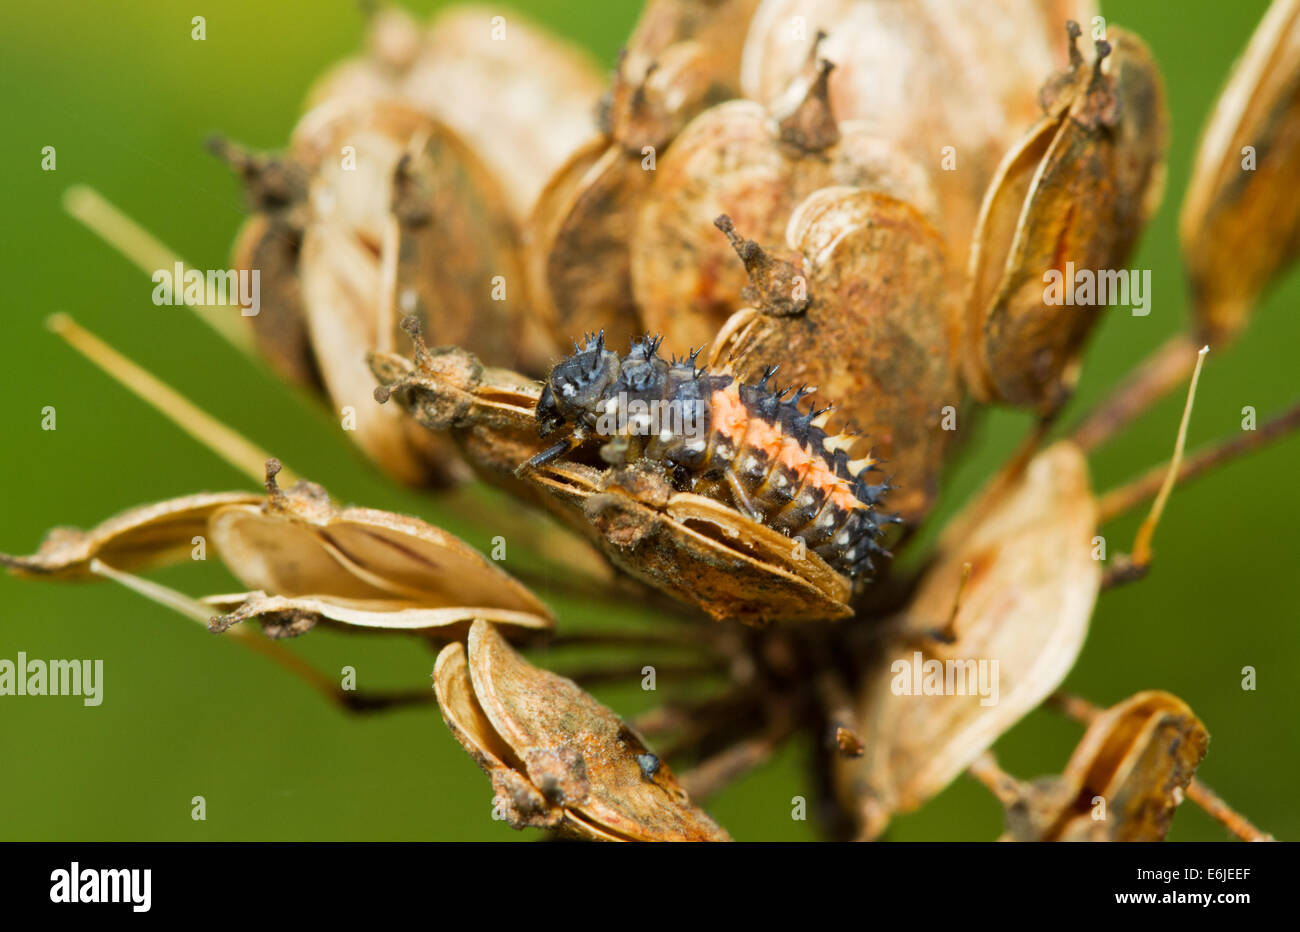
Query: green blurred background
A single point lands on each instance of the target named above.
(127, 97)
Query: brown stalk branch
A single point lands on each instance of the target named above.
(1119, 501)
(1160, 373)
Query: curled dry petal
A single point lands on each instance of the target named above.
(1136, 759)
(1025, 606)
(954, 81)
(1073, 195)
(139, 538)
(555, 754)
(1240, 224)
(877, 337)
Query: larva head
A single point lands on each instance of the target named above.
(577, 385)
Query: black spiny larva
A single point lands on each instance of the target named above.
(746, 444)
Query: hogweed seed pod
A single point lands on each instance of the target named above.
(580, 236)
(305, 561)
(557, 758)
(578, 241)
(874, 329)
(682, 57)
(738, 159)
(535, 94)
(1123, 782)
(1240, 223)
(950, 81)
(1013, 584)
(1074, 195)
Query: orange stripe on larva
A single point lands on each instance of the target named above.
(764, 437)
(794, 457)
(729, 415)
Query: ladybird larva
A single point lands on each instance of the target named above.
(744, 444)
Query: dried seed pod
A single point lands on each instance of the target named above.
(1074, 194)
(683, 56)
(533, 97)
(1017, 567)
(556, 756)
(1240, 223)
(1124, 780)
(392, 44)
(307, 560)
(487, 412)
(739, 160)
(297, 543)
(398, 213)
(697, 550)
(139, 538)
(275, 189)
(287, 617)
(952, 81)
(577, 253)
(874, 331)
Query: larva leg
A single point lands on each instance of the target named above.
(743, 501)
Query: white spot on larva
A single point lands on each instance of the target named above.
(665, 435)
(567, 390)
(751, 464)
(842, 538)
(696, 446)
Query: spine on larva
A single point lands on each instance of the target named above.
(749, 445)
